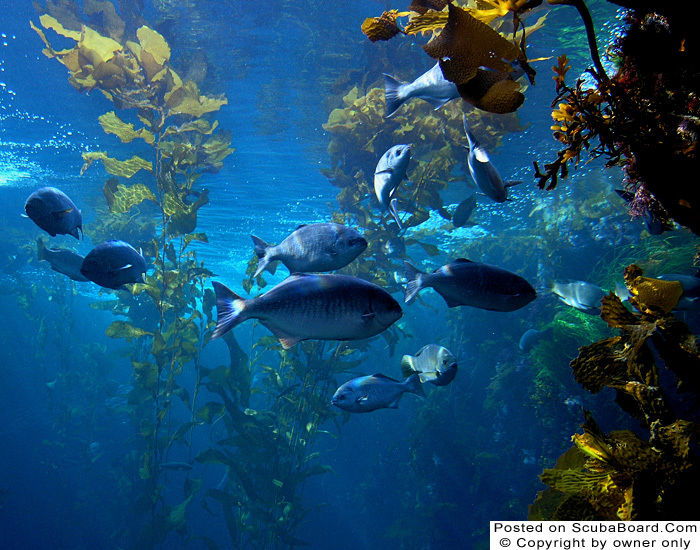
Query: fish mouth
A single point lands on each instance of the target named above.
(453, 366)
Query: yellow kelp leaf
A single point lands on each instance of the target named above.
(428, 22)
(111, 22)
(200, 125)
(52, 23)
(124, 168)
(48, 51)
(201, 237)
(112, 124)
(122, 329)
(172, 204)
(121, 198)
(187, 101)
(96, 47)
(649, 294)
(154, 43)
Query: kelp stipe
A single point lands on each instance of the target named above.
(170, 314)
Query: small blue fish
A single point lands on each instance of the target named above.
(54, 212)
(113, 264)
(431, 86)
(483, 171)
(62, 260)
(369, 393)
(390, 172)
(465, 208)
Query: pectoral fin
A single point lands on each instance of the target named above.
(367, 317)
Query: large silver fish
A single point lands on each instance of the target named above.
(467, 283)
(377, 391)
(432, 363)
(314, 247)
(431, 86)
(390, 172)
(581, 295)
(62, 260)
(483, 171)
(54, 212)
(304, 306)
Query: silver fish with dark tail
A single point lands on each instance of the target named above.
(483, 171)
(54, 212)
(304, 307)
(467, 283)
(313, 247)
(62, 260)
(377, 391)
(390, 172)
(432, 363)
(431, 86)
(581, 295)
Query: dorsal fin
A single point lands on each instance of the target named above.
(384, 376)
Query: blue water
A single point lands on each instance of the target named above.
(443, 467)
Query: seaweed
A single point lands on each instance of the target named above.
(621, 475)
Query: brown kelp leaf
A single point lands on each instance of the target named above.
(465, 44)
(111, 22)
(614, 313)
(422, 6)
(652, 294)
(383, 27)
(492, 91)
(112, 124)
(146, 374)
(121, 198)
(187, 101)
(601, 364)
(124, 168)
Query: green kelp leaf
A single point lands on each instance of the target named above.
(200, 125)
(176, 517)
(183, 222)
(122, 329)
(123, 168)
(211, 411)
(112, 124)
(182, 431)
(121, 198)
(146, 428)
(192, 486)
(201, 237)
(146, 374)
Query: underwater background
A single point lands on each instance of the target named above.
(125, 426)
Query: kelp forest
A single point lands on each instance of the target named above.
(245, 442)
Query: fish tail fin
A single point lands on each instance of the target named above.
(392, 93)
(395, 213)
(40, 249)
(511, 183)
(414, 385)
(261, 251)
(414, 282)
(407, 366)
(229, 309)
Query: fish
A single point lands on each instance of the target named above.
(531, 337)
(467, 283)
(377, 391)
(54, 212)
(395, 247)
(581, 295)
(482, 170)
(306, 306)
(113, 264)
(388, 175)
(433, 363)
(313, 247)
(463, 211)
(62, 261)
(431, 86)
(690, 299)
